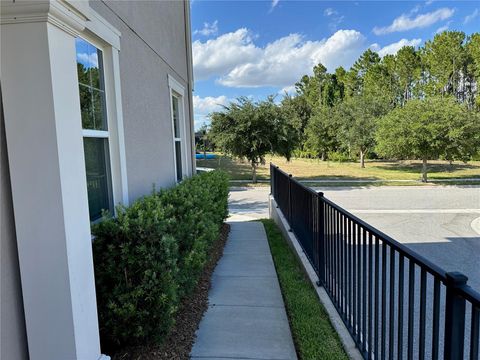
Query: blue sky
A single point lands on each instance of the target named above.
(258, 48)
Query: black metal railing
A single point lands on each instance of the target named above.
(395, 303)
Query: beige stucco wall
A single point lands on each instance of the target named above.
(13, 341)
(153, 46)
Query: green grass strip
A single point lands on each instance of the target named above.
(313, 333)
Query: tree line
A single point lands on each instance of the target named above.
(417, 104)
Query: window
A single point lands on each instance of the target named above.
(177, 138)
(91, 85)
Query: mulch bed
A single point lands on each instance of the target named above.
(190, 312)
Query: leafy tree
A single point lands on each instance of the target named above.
(356, 75)
(408, 69)
(356, 120)
(321, 88)
(446, 59)
(320, 133)
(473, 48)
(380, 82)
(428, 129)
(296, 111)
(203, 142)
(251, 130)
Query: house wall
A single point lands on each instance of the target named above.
(13, 340)
(153, 46)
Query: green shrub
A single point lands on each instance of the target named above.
(338, 156)
(150, 256)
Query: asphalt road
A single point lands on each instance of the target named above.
(434, 221)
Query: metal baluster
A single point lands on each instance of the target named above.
(423, 304)
(391, 321)
(401, 270)
(370, 300)
(377, 292)
(411, 304)
(474, 333)
(384, 305)
(364, 289)
(454, 317)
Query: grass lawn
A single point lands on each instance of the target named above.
(374, 170)
(313, 334)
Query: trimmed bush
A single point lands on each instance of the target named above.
(151, 255)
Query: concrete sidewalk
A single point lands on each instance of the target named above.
(246, 318)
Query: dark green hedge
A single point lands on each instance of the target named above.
(150, 256)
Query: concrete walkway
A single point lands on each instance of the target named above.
(246, 318)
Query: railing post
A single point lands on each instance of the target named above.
(454, 316)
(321, 239)
(290, 201)
(272, 192)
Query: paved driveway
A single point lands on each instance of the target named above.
(434, 221)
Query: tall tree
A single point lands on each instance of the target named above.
(297, 111)
(408, 69)
(320, 133)
(380, 82)
(446, 59)
(356, 75)
(428, 129)
(473, 49)
(356, 120)
(251, 130)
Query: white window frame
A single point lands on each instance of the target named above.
(178, 91)
(106, 38)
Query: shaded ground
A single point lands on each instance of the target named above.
(374, 170)
(180, 341)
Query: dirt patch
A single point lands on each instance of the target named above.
(181, 339)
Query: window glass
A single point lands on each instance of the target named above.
(98, 179)
(93, 109)
(91, 85)
(178, 159)
(176, 125)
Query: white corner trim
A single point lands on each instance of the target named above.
(101, 28)
(120, 126)
(67, 16)
(176, 86)
(337, 322)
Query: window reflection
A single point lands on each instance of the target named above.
(91, 85)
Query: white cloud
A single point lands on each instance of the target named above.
(330, 12)
(471, 17)
(220, 55)
(237, 62)
(202, 107)
(415, 9)
(406, 22)
(89, 60)
(336, 19)
(274, 4)
(442, 28)
(209, 104)
(393, 48)
(290, 90)
(208, 29)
